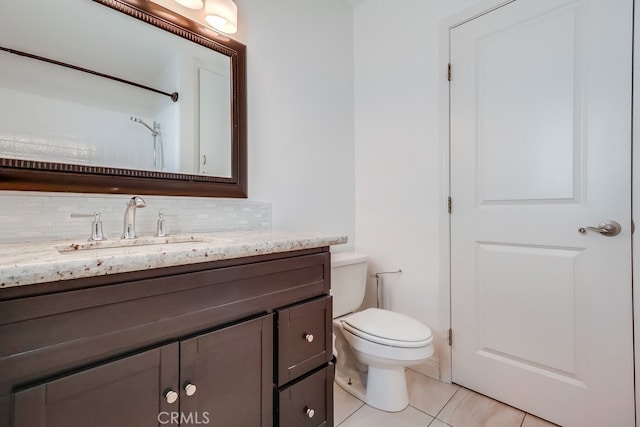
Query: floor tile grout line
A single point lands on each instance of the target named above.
(447, 402)
(424, 412)
(437, 419)
(525, 413)
(362, 404)
(499, 402)
(350, 415)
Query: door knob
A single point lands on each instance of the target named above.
(606, 228)
(310, 412)
(308, 337)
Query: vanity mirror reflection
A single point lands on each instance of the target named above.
(66, 130)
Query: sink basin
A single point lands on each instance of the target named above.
(141, 242)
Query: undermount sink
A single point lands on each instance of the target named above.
(140, 242)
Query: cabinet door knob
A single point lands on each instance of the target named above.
(310, 412)
(171, 396)
(190, 389)
(308, 337)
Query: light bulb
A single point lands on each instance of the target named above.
(191, 4)
(222, 15)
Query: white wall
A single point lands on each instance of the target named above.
(300, 114)
(399, 160)
(300, 72)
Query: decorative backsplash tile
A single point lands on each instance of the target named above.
(34, 216)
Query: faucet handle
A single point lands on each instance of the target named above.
(161, 231)
(96, 225)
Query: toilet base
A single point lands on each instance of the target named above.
(387, 389)
(352, 384)
(381, 388)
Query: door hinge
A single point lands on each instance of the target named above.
(449, 204)
(449, 72)
(450, 337)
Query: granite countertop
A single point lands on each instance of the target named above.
(38, 262)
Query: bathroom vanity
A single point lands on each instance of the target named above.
(242, 340)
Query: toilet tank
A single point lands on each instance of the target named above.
(348, 281)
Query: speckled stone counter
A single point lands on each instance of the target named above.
(39, 262)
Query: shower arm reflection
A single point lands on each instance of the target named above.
(155, 132)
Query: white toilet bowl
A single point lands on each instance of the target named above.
(373, 348)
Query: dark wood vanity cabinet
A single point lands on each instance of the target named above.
(226, 343)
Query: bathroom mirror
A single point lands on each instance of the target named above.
(62, 129)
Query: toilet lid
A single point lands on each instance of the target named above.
(388, 328)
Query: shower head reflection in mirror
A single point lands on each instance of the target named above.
(158, 149)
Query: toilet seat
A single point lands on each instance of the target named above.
(388, 328)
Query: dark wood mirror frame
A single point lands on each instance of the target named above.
(30, 175)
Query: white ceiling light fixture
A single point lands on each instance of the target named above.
(222, 15)
(191, 4)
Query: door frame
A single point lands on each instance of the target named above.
(445, 26)
(635, 206)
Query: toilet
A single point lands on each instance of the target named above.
(374, 346)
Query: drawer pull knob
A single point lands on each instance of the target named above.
(308, 337)
(171, 396)
(310, 412)
(190, 389)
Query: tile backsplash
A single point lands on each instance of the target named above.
(34, 216)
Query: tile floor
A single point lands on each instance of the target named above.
(435, 404)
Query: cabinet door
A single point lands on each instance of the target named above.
(232, 371)
(126, 392)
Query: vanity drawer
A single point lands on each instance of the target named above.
(308, 402)
(304, 338)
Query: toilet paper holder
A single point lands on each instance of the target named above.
(377, 276)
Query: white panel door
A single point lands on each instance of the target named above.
(215, 124)
(540, 147)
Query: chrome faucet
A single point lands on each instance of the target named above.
(130, 217)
